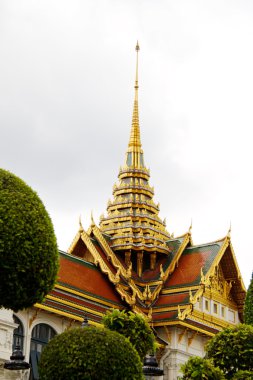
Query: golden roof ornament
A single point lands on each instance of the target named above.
(80, 225)
(190, 228)
(229, 231)
(92, 219)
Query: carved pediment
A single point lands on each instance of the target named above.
(219, 284)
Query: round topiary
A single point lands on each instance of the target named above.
(90, 353)
(28, 248)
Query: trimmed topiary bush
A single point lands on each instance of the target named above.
(134, 327)
(232, 349)
(198, 368)
(28, 248)
(90, 353)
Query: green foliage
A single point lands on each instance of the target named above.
(232, 349)
(198, 368)
(90, 353)
(248, 306)
(28, 248)
(134, 327)
(243, 375)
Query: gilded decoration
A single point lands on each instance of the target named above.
(140, 257)
(219, 284)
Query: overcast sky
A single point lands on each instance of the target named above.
(66, 95)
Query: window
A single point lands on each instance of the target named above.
(231, 316)
(41, 335)
(215, 308)
(18, 334)
(223, 311)
(207, 305)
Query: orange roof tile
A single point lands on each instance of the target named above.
(172, 299)
(86, 277)
(190, 264)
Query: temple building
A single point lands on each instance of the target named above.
(130, 261)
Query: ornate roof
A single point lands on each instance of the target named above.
(130, 261)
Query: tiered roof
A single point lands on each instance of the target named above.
(131, 262)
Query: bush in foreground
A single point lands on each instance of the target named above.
(134, 327)
(90, 353)
(28, 248)
(232, 349)
(198, 369)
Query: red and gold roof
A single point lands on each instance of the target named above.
(130, 261)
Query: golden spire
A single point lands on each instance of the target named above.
(132, 218)
(134, 151)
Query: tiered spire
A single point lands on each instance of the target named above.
(132, 221)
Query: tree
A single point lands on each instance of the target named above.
(248, 306)
(28, 248)
(134, 327)
(232, 349)
(198, 369)
(90, 353)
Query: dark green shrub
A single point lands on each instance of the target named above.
(28, 248)
(243, 375)
(248, 307)
(134, 327)
(90, 353)
(198, 368)
(232, 349)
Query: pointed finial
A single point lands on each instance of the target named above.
(92, 219)
(229, 230)
(190, 228)
(80, 224)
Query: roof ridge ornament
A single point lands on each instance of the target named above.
(229, 230)
(190, 228)
(92, 219)
(80, 224)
